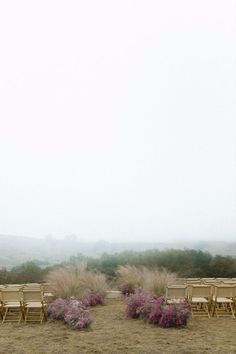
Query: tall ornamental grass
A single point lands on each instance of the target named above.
(132, 278)
(76, 281)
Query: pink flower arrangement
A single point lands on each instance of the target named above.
(76, 315)
(92, 299)
(74, 312)
(156, 310)
(174, 316)
(138, 304)
(56, 309)
(127, 289)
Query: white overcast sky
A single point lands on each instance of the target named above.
(118, 119)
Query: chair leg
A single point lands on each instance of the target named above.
(223, 309)
(21, 314)
(207, 310)
(41, 315)
(12, 311)
(34, 315)
(214, 309)
(26, 314)
(232, 310)
(4, 315)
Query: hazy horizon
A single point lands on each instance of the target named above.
(78, 239)
(118, 119)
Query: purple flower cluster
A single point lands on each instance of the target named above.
(92, 299)
(74, 312)
(76, 315)
(174, 316)
(156, 310)
(138, 304)
(56, 309)
(155, 314)
(127, 289)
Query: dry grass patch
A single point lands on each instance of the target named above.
(76, 281)
(111, 332)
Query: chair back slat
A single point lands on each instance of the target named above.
(201, 291)
(10, 295)
(47, 288)
(32, 295)
(176, 291)
(225, 291)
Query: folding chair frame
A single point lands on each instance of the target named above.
(200, 299)
(223, 301)
(12, 309)
(34, 306)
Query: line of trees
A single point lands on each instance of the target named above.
(186, 263)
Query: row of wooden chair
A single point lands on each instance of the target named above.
(186, 281)
(25, 302)
(205, 300)
(46, 288)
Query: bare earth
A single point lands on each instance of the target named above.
(112, 332)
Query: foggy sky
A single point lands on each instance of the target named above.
(118, 119)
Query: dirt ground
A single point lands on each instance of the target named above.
(111, 332)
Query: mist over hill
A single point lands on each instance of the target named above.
(49, 250)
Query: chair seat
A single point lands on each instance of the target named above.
(12, 304)
(33, 304)
(223, 299)
(199, 299)
(176, 301)
(48, 294)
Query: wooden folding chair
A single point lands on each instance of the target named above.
(34, 306)
(223, 300)
(12, 309)
(200, 297)
(48, 290)
(176, 294)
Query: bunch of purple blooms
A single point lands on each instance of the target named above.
(92, 299)
(76, 315)
(57, 308)
(138, 303)
(156, 310)
(174, 316)
(127, 289)
(73, 312)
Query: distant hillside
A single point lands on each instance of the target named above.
(15, 250)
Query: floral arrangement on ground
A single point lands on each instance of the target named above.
(156, 310)
(74, 312)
